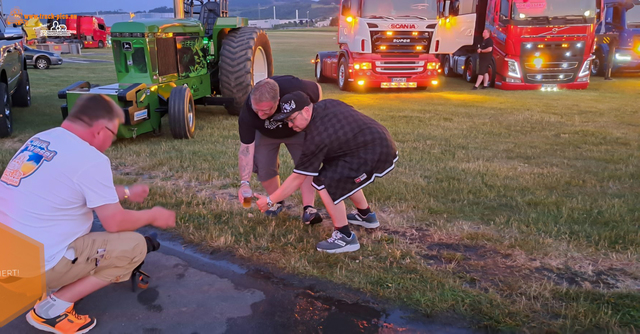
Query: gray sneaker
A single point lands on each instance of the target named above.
(370, 221)
(339, 243)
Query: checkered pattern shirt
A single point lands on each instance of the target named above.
(339, 132)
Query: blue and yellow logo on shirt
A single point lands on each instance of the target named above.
(27, 161)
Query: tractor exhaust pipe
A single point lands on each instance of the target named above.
(178, 9)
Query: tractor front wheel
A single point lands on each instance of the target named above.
(245, 59)
(182, 113)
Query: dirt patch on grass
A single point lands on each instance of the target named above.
(486, 266)
(480, 257)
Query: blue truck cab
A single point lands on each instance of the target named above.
(621, 22)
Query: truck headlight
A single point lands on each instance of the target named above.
(514, 70)
(623, 57)
(585, 68)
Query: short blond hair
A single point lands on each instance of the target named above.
(90, 109)
(265, 90)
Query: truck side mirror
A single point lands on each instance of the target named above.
(346, 8)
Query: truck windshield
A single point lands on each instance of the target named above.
(538, 11)
(393, 9)
(633, 15)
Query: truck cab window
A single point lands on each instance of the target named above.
(504, 11)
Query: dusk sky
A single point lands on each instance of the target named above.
(65, 6)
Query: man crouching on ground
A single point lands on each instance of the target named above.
(344, 151)
(49, 190)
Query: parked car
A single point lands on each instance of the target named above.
(15, 89)
(41, 59)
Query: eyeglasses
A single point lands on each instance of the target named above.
(292, 119)
(115, 135)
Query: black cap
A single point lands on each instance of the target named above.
(291, 103)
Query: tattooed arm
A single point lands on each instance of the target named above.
(245, 165)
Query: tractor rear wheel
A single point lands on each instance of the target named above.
(182, 113)
(245, 59)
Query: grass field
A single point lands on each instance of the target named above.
(515, 210)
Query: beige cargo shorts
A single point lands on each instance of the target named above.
(110, 257)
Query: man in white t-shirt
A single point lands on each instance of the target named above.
(48, 192)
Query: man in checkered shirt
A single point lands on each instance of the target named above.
(344, 151)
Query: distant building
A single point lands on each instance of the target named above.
(110, 19)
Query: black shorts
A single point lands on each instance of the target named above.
(342, 178)
(483, 67)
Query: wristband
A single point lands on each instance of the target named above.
(127, 193)
(244, 182)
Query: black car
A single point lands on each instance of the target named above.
(41, 59)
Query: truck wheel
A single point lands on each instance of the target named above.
(470, 71)
(22, 95)
(182, 113)
(245, 58)
(343, 75)
(492, 74)
(448, 71)
(101, 44)
(42, 63)
(6, 119)
(597, 65)
(319, 77)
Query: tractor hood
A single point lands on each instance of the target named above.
(155, 25)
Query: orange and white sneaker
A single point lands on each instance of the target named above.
(68, 322)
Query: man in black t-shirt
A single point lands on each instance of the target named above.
(261, 136)
(485, 52)
(343, 151)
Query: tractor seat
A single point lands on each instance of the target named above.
(208, 15)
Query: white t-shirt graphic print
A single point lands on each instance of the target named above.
(49, 188)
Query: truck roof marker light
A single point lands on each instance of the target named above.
(587, 13)
(419, 47)
(349, 19)
(522, 16)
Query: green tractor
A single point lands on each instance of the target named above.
(167, 66)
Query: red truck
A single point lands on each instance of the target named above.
(89, 31)
(538, 44)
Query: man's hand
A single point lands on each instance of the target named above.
(244, 189)
(138, 193)
(163, 218)
(261, 202)
(479, 50)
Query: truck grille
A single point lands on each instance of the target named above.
(550, 77)
(399, 66)
(167, 56)
(551, 62)
(400, 42)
